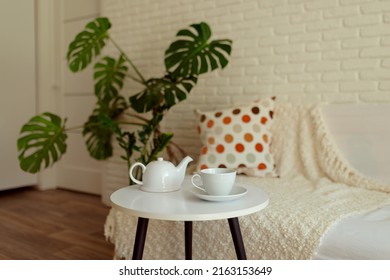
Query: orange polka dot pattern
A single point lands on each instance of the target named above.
(238, 137)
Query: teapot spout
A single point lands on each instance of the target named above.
(181, 169)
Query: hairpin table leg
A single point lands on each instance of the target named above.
(188, 239)
(140, 236)
(237, 238)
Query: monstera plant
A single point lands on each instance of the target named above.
(42, 141)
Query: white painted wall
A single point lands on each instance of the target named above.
(17, 86)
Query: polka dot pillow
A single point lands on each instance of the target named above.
(238, 138)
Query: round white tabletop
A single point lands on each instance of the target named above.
(183, 205)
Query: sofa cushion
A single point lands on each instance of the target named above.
(362, 133)
(238, 137)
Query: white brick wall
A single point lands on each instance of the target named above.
(298, 50)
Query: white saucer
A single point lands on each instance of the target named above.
(236, 192)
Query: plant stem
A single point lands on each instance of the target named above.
(143, 81)
(131, 123)
(74, 128)
(134, 78)
(137, 116)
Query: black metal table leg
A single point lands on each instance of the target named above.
(140, 236)
(188, 239)
(237, 238)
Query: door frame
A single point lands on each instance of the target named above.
(48, 71)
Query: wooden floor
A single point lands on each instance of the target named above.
(54, 224)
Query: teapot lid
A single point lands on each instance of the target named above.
(160, 162)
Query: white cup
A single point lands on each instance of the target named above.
(215, 181)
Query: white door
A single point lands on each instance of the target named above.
(17, 86)
(76, 170)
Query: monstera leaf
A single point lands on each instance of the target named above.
(87, 44)
(42, 142)
(98, 131)
(109, 75)
(115, 107)
(163, 93)
(192, 54)
(101, 125)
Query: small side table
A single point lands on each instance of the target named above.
(184, 206)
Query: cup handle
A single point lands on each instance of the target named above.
(195, 185)
(131, 172)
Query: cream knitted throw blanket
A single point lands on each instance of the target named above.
(315, 190)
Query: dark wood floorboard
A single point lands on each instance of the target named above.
(53, 224)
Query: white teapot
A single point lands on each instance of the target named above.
(161, 175)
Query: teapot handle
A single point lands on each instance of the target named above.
(131, 172)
